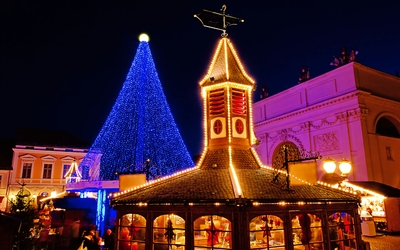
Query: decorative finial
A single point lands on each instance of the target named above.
(218, 21)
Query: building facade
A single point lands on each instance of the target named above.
(351, 112)
(40, 162)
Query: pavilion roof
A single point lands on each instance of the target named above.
(209, 183)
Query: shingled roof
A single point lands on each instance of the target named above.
(219, 158)
(212, 182)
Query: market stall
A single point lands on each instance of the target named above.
(380, 204)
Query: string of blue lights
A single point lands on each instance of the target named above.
(140, 134)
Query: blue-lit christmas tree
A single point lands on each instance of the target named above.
(140, 132)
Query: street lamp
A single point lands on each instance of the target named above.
(330, 167)
(345, 167)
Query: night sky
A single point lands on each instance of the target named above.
(63, 63)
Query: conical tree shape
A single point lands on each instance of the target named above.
(140, 130)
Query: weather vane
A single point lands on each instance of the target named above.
(218, 21)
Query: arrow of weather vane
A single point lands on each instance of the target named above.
(218, 21)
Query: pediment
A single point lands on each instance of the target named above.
(48, 158)
(68, 158)
(28, 157)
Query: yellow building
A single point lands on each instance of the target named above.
(41, 158)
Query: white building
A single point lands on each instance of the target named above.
(351, 112)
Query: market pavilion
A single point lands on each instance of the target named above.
(229, 200)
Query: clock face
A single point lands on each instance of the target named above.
(217, 127)
(239, 126)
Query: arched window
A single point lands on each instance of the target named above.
(341, 231)
(279, 154)
(387, 126)
(212, 232)
(169, 232)
(131, 232)
(266, 232)
(307, 231)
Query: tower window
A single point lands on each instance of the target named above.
(217, 102)
(239, 101)
(239, 126)
(218, 127)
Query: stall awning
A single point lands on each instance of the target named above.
(383, 189)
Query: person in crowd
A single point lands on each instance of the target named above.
(109, 239)
(333, 232)
(89, 240)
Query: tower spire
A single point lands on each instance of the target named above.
(226, 90)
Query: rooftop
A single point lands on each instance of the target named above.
(211, 183)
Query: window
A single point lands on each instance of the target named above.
(239, 102)
(66, 167)
(169, 232)
(47, 170)
(389, 153)
(341, 231)
(26, 170)
(387, 126)
(217, 102)
(131, 232)
(266, 232)
(307, 231)
(212, 232)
